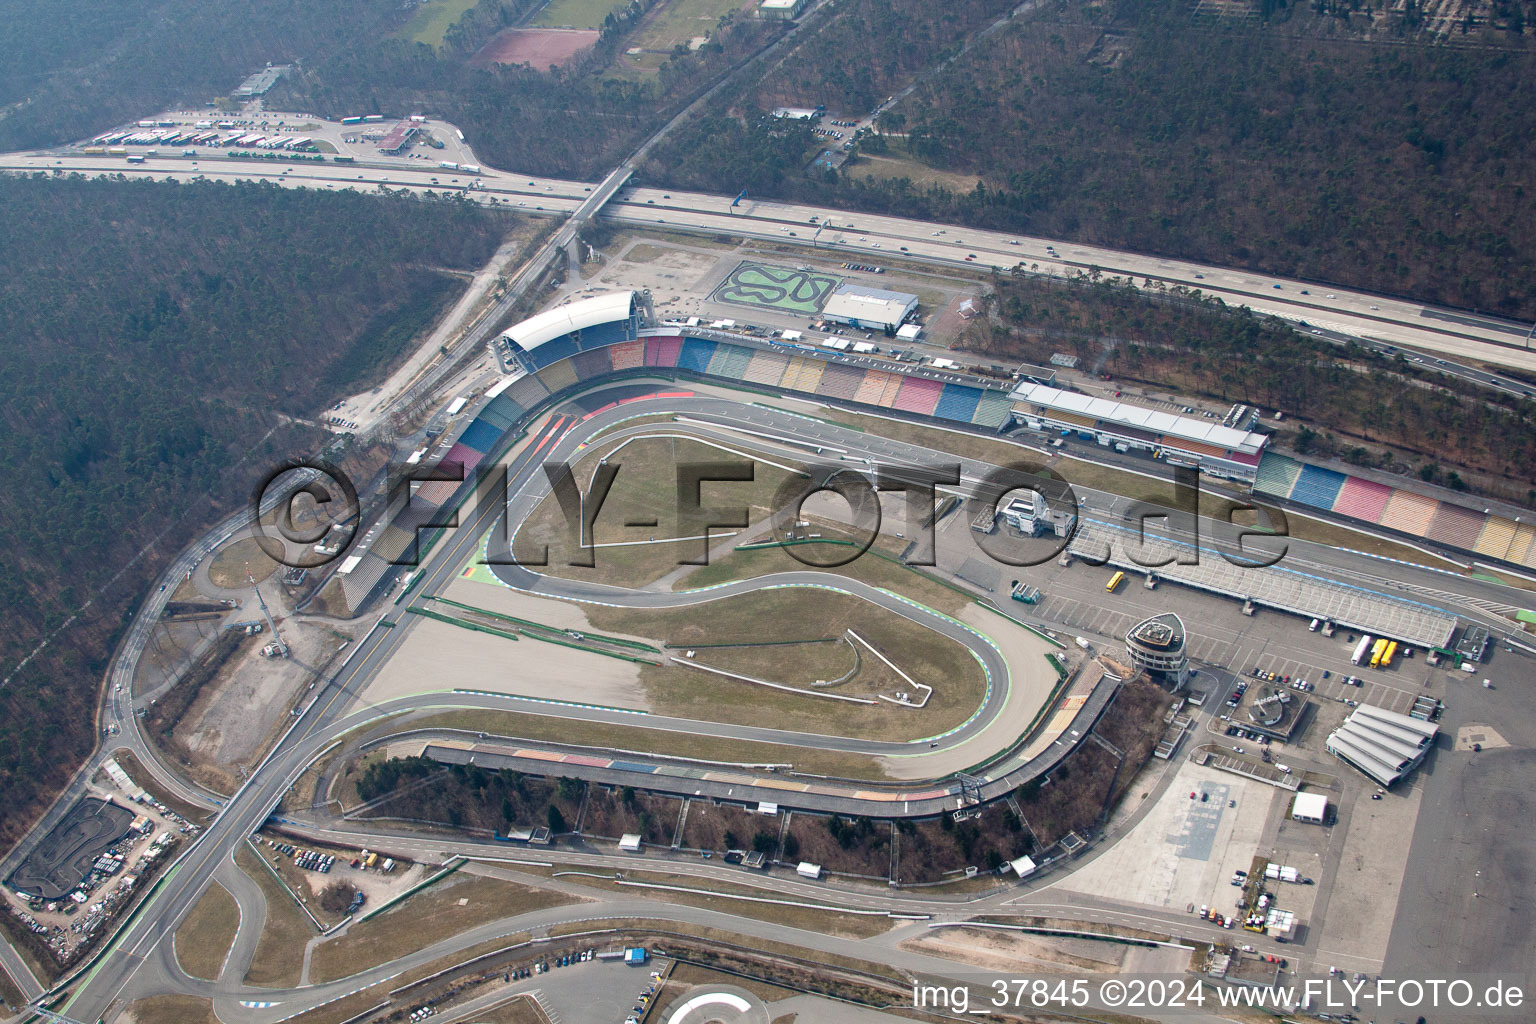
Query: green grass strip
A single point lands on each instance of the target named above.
(619, 641)
(463, 624)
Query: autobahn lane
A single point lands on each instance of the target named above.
(1325, 308)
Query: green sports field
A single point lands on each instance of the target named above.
(781, 288)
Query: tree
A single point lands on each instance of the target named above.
(556, 820)
(337, 897)
(791, 846)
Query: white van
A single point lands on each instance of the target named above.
(1313, 627)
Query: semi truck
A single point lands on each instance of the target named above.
(1362, 649)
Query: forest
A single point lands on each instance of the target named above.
(1387, 166)
(162, 343)
(1359, 405)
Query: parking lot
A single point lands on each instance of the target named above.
(1217, 633)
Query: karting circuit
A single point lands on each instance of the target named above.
(781, 288)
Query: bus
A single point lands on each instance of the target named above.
(1376, 652)
(1386, 655)
(1114, 581)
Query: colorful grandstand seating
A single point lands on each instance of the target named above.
(481, 435)
(1277, 475)
(958, 402)
(1454, 525)
(994, 409)
(1497, 537)
(1193, 447)
(918, 394)
(464, 455)
(730, 361)
(766, 368)
(662, 351)
(839, 381)
(1522, 548)
(551, 352)
(1317, 486)
(438, 492)
(1362, 499)
(871, 389)
(603, 335)
(592, 364)
(628, 355)
(527, 392)
(359, 583)
(695, 355)
(1409, 513)
(559, 375)
(501, 412)
(804, 374)
(1071, 417)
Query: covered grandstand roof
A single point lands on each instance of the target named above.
(1110, 411)
(1383, 744)
(574, 316)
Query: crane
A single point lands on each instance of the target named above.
(277, 648)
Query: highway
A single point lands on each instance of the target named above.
(1456, 336)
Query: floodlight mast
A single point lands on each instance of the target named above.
(279, 648)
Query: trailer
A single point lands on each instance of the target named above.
(1361, 649)
(352, 120)
(448, 165)
(470, 168)
(808, 870)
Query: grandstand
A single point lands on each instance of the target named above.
(1484, 534)
(593, 338)
(1217, 450)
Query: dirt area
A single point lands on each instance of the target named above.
(441, 656)
(229, 566)
(451, 907)
(518, 1010)
(204, 938)
(537, 47)
(721, 827)
(232, 718)
(168, 1010)
(610, 813)
(670, 272)
(1013, 951)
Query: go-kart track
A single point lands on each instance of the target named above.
(761, 284)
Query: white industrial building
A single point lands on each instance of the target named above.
(1217, 450)
(1310, 807)
(781, 10)
(1383, 744)
(871, 308)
